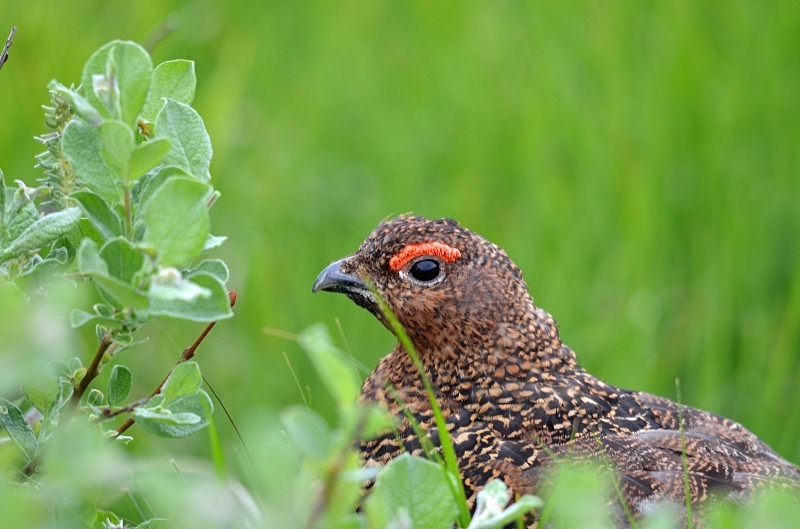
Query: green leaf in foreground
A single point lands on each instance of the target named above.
(17, 427)
(329, 362)
(412, 490)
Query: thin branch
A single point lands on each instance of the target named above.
(9, 41)
(108, 413)
(106, 344)
(187, 354)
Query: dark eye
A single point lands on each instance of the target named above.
(425, 270)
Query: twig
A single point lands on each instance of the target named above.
(4, 55)
(186, 355)
(91, 372)
(109, 414)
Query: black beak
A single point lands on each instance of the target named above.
(332, 279)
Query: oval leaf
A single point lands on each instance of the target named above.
(42, 232)
(215, 306)
(147, 156)
(193, 413)
(415, 487)
(18, 428)
(185, 379)
(191, 146)
(176, 220)
(99, 213)
(81, 145)
(175, 80)
(116, 145)
(116, 80)
(119, 385)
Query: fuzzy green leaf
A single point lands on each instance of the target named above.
(17, 427)
(89, 260)
(119, 385)
(91, 263)
(95, 397)
(116, 145)
(180, 419)
(42, 232)
(165, 416)
(174, 80)
(146, 156)
(20, 213)
(214, 267)
(116, 80)
(40, 271)
(413, 488)
(176, 220)
(42, 394)
(191, 146)
(80, 143)
(185, 379)
(122, 259)
(99, 213)
(215, 306)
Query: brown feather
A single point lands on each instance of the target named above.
(513, 394)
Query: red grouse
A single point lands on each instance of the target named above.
(512, 393)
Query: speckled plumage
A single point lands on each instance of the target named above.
(513, 394)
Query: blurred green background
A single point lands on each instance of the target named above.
(638, 160)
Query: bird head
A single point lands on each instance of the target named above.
(443, 282)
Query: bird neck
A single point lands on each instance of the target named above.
(514, 346)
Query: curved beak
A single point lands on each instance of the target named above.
(332, 279)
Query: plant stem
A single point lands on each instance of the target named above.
(187, 354)
(105, 345)
(128, 214)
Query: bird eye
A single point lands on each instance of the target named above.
(425, 270)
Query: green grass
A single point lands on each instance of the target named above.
(639, 161)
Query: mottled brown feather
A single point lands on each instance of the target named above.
(513, 394)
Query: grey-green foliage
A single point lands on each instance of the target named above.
(127, 192)
(133, 183)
